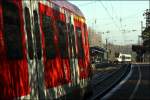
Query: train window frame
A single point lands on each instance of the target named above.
(28, 31)
(49, 36)
(85, 32)
(12, 31)
(80, 42)
(37, 36)
(123, 57)
(62, 38)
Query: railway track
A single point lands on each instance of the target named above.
(105, 82)
(135, 86)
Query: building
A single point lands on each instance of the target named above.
(97, 54)
(95, 39)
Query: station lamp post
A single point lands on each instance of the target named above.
(106, 46)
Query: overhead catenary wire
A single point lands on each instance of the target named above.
(116, 20)
(117, 27)
(86, 4)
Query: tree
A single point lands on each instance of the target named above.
(146, 38)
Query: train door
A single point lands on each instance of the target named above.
(82, 50)
(56, 64)
(34, 48)
(72, 49)
(86, 51)
(14, 79)
(80, 46)
(63, 44)
(50, 61)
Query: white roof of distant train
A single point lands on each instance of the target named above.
(129, 55)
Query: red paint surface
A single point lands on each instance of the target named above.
(14, 80)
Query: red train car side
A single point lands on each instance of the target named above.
(44, 50)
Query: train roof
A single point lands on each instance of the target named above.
(127, 55)
(69, 6)
(98, 48)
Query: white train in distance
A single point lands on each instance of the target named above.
(122, 58)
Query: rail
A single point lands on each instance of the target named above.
(106, 84)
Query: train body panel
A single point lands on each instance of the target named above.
(123, 58)
(44, 49)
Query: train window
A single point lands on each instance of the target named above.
(71, 40)
(123, 57)
(37, 35)
(62, 39)
(28, 30)
(12, 32)
(80, 44)
(47, 27)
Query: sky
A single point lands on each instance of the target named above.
(119, 21)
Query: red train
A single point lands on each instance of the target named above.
(44, 50)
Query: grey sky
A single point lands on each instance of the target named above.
(121, 18)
